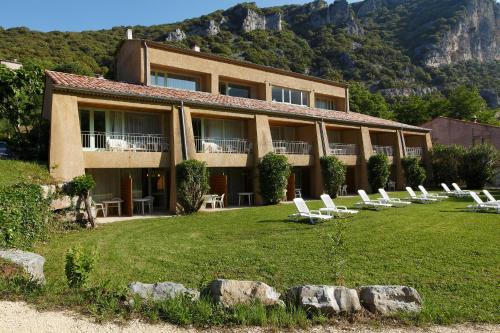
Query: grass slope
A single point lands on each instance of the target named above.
(450, 256)
(12, 172)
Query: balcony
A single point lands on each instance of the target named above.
(386, 150)
(222, 146)
(414, 151)
(108, 141)
(343, 149)
(291, 147)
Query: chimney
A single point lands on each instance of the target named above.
(196, 48)
(129, 34)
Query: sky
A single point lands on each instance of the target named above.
(78, 15)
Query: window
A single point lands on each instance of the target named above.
(326, 104)
(234, 90)
(290, 96)
(161, 79)
(282, 133)
(219, 128)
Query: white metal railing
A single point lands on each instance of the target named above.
(386, 150)
(219, 145)
(414, 151)
(291, 147)
(108, 141)
(343, 149)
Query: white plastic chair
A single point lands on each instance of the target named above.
(481, 205)
(459, 190)
(426, 194)
(331, 209)
(150, 202)
(368, 203)
(220, 201)
(304, 212)
(489, 196)
(396, 202)
(414, 198)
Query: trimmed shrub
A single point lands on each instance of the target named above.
(274, 171)
(192, 185)
(378, 171)
(446, 161)
(24, 215)
(79, 265)
(414, 172)
(479, 165)
(334, 172)
(81, 186)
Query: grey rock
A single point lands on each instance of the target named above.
(32, 263)
(339, 13)
(229, 293)
(396, 92)
(176, 36)
(491, 97)
(255, 21)
(328, 300)
(386, 300)
(162, 290)
(370, 6)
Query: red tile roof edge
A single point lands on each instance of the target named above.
(104, 86)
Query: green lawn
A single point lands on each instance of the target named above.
(12, 172)
(450, 256)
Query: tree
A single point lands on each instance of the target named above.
(274, 171)
(446, 161)
(414, 172)
(466, 103)
(361, 100)
(334, 172)
(479, 165)
(378, 171)
(192, 185)
(81, 187)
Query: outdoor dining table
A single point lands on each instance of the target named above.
(249, 195)
(113, 203)
(142, 201)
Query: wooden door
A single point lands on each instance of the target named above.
(350, 179)
(127, 204)
(218, 185)
(290, 189)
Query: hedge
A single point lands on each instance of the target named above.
(274, 171)
(334, 173)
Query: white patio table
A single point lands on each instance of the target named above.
(142, 201)
(113, 203)
(249, 195)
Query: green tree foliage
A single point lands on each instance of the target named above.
(192, 185)
(274, 171)
(479, 165)
(81, 186)
(361, 100)
(334, 173)
(414, 172)
(378, 171)
(79, 265)
(466, 103)
(23, 215)
(446, 163)
(416, 110)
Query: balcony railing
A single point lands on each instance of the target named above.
(343, 149)
(414, 151)
(225, 146)
(108, 141)
(292, 147)
(386, 150)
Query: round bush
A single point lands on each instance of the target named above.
(334, 172)
(378, 171)
(446, 161)
(414, 172)
(479, 164)
(192, 185)
(274, 172)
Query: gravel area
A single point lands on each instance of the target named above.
(19, 317)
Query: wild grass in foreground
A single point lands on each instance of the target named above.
(450, 256)
(12, 172)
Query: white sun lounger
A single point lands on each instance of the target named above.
(368, 203)
(426, 194)
(396, 202)
(490, 197)
(304, 212)
(459, 190)
(331, 209)
(483, 206)
(451, 193)
(414, 198)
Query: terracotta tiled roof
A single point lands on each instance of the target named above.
(97, 85)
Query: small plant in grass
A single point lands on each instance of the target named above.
(334, 172)
(81, 187)
(79, 265)
(479, 165)
(192, 185)
(337, 248)
(378, 171)
(274, 171)
(414, 172)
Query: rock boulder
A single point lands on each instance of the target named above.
(32, 263)
(390, 299)
(229, 293)
(162, 291)
(328, 300)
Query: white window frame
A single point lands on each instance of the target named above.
(304, 96)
